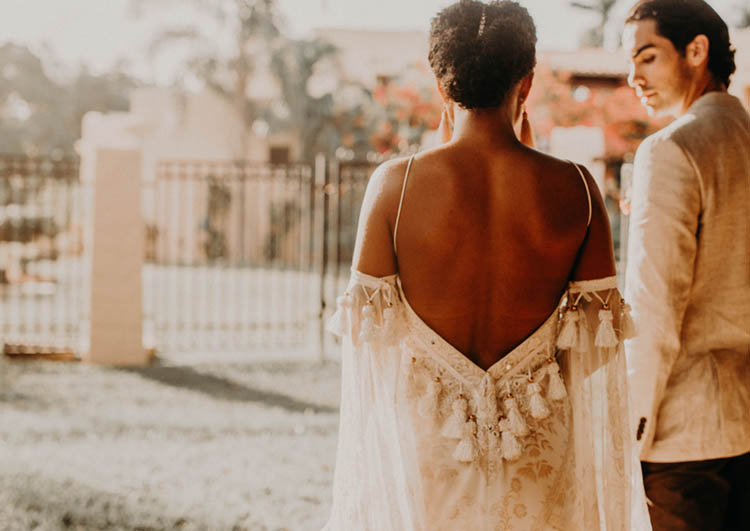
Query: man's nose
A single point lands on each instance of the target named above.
(634, 78)
(631, 78)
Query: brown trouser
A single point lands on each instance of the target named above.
(712, 495)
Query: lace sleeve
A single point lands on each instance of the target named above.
(376, 467)
(594, 323)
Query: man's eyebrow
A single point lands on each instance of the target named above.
(644, 47)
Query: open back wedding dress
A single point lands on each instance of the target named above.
(430, 441)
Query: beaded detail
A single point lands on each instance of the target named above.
(483, 411)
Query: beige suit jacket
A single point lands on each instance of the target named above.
(688, 282)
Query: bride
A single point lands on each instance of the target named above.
(483, 377)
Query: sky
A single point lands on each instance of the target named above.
(99, 33)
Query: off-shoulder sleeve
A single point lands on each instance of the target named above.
(376, 466)
(595, 321)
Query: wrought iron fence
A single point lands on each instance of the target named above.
(42, 280)
(237, 255)
(242, 255)
(345, 184)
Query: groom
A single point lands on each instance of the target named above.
(688, 272)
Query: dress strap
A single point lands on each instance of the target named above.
(588, 191)
(401, 202)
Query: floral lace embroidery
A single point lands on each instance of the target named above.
(509, 427)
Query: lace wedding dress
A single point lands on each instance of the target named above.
(430, 441)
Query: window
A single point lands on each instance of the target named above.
(279, 155)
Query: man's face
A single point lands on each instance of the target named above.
(658, 72)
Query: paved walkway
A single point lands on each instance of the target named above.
(214, 446)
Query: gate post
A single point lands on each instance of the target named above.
(117, 242)
(321, 184)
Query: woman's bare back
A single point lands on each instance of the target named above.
(487, 241)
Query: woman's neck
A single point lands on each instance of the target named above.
(491, 126)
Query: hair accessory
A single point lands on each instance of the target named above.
(482, 21)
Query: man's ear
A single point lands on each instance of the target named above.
(696, 51)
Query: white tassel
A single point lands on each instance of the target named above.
(428, 404)
(340, 321)
(627, 326)
(370, 330)
(390, 326)
(605, 333)
(510, 448)
(466, 449)
(537, 405)
(569, 333)
(515, 420)
(556, 389)
(493, 438)
(454, 426)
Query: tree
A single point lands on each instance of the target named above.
(293, 64)
(42, 115)
(624, 121)
(595, 36)
(29, 99)
(257, 47)
(743, 14)
(250, 27)
(407, 107)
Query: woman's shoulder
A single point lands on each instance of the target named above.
(554, 166)
(387, 179)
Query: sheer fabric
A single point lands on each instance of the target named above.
(430, 441)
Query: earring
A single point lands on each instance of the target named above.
(448, 114)
(527, 135)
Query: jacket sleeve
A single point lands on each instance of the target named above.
(664, 222)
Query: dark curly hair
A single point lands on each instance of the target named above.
(479, 51)
(681, 21)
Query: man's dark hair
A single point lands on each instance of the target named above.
(681, 21)
(479, 51)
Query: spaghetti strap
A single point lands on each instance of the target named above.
(588, 191)
(401, 202)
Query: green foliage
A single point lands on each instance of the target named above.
(41, 115)
(253, 27)
(293, 63)
(743, 14)
(595, 35)
(217, 209)
(325, 113)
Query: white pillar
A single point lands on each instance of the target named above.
(117, 247)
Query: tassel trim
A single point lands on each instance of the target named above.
(556, 386)
(627, 326)
(454, 425)
(537, 405)
(570, 333)
(340, 322)
(510, 448)
(370, 330)
(605, 333)
(466, 450)
(427, 406)
(516, 422)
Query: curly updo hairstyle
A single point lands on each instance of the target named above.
(479, 52)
